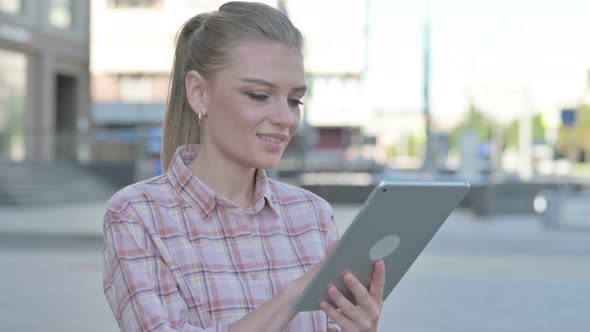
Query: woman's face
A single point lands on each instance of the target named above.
(252, 105)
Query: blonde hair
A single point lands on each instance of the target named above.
(204, 43)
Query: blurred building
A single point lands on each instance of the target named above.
(44, 79)
(395, 128)
(336, 109)
(131, 59)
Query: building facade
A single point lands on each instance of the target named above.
(131, 59)
(44, 80)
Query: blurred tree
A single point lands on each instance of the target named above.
(408, 146)
(476, 120)
(391, 151)
(413, 145)
(510, 133)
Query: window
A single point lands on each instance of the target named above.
(60, 13)
(135, 88)
(13, 76)
(12, 7)
(134, 3)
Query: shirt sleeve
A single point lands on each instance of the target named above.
(139, 286)
(332, 235)
(332, 326)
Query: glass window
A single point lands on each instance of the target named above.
(12, 7)
(134, 3)
(135, 88)
(60, 13)
(13, 78)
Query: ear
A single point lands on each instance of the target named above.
(196, 92)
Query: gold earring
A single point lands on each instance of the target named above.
(200, 116)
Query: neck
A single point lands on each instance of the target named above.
(226, 178)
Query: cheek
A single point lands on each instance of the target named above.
(231, 115)
(297, 122)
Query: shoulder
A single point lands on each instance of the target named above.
(287, 195)
(156, 190)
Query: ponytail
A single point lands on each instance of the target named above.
(181, 125)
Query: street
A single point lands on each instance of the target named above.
(501, 274)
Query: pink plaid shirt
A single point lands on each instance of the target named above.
(178, 257)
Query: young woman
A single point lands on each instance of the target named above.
(213, 244)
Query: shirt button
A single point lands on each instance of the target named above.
(255, 276)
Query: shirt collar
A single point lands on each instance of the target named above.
(203, 198)
(263, 193)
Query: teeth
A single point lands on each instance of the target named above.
(271, 139)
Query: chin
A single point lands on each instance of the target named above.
(267, 161)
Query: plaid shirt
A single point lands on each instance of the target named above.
(177, 256)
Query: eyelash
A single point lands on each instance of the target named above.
(262, 98)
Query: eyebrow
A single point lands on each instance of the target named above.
(260, 81)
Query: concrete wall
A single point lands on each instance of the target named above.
(50, 52)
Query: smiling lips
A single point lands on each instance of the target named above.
(272, 142)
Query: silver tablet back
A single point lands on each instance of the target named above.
(396, 222)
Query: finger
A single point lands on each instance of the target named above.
(378, 281)
(336, 316)
(362, 296)
(347, 308)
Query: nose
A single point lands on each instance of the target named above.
(284, 115)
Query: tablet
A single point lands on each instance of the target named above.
(395, 223)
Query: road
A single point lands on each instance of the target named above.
(504, 274)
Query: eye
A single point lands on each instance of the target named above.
(257, 96)
(295, 102)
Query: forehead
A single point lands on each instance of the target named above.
(272, 61)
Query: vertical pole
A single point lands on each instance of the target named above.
(429, 164)
(525, 141)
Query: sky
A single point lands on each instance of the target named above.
(505, 55)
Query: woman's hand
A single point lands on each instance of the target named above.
(364, 316)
